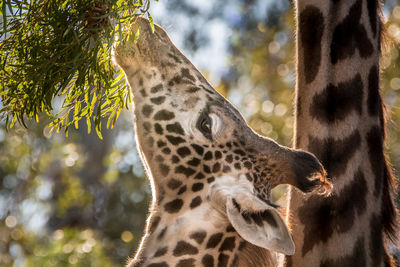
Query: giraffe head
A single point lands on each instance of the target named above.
(211, 175)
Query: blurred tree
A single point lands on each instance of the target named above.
(75, 200)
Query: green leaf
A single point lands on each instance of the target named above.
(77, 110)
(135, 40)
(89, 124)
(116, 117)
(14, 119)
(52, 50)
(98, 130)
(151, 22)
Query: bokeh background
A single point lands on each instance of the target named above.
(82, 201)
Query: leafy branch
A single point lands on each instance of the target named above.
(62, 49)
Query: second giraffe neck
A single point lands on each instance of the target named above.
(339, 118)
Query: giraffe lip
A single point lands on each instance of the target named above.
(268, 201)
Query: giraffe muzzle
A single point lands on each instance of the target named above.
(283, 165)
(308, 174)
(143, 46)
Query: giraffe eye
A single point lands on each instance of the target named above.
(204, 125)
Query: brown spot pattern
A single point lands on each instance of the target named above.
(322, 217)
(173, 206)
(350, 35)
(335, 154)
(311, 27)
(184, 248)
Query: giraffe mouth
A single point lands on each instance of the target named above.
(269, 202)
(265, 196)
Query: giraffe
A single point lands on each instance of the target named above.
(210, 174)
(340, 118)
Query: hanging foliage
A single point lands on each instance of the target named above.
(61, 49)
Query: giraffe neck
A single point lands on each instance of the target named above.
(339, 118)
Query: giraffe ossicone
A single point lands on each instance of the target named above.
(211, 175)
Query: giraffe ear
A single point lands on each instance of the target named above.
(254, 220)
(259, 224)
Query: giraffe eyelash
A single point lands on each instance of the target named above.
(204, 125)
